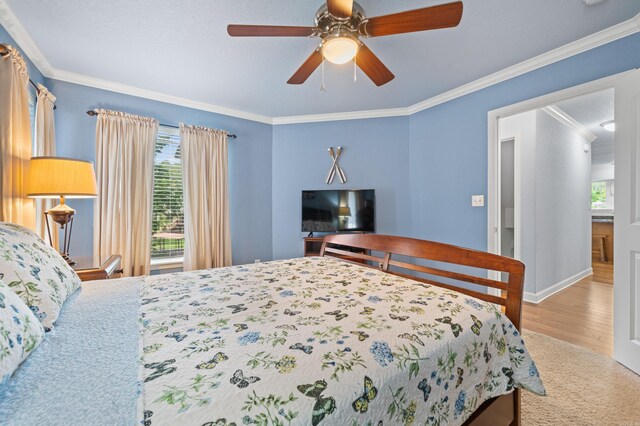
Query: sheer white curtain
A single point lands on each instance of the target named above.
(125, 146)
(15, 140)
(45, 136)
(206, 197)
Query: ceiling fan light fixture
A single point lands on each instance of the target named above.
(340, 49)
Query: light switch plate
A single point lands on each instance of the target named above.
(477, 200)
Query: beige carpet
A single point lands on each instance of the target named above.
(583, 387)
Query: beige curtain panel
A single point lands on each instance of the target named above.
(45, 146)
(125, 147)
(15, 140)
(206, 197)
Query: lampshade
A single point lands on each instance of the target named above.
(54, 177)
(344, 211)
(339, 50)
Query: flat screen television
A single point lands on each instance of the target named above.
(338, 210)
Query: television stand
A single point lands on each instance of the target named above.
(312, 246)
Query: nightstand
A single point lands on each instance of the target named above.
(98, 268)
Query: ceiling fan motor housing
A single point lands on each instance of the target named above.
(329, 25)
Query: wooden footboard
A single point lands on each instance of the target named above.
(451, 267)
(502, 410)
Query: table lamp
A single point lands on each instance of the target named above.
(58, 177)
(345, 213)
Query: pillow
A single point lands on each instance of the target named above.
(36, 272)
(20, 332)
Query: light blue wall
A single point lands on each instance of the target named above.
(249, 161)
(376, 157)
(446, 160)
(424, 167)
(448, 143)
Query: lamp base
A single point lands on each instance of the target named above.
(63, 215)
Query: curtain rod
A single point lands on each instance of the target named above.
(4, 52)
(92, 113)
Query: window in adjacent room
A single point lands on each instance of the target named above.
(167, 226)
(602, 195)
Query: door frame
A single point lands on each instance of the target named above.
(494, 140)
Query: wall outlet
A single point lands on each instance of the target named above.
(256, 261)
(477, 200)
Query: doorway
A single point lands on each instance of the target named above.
(551, 205)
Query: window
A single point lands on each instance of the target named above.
(167, 226)
(598, 195)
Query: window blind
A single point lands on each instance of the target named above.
(167, 226)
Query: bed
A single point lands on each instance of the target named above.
(316, 340)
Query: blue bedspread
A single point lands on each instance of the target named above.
(99, 331)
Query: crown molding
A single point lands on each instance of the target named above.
(22, 38)
(589, 42)
(111, 86)
(15, 29)
(564, 118)
(340, 116)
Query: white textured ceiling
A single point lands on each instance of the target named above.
(181, 48)
(591, 111)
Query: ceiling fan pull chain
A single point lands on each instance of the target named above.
(355, 74)
(323, 88)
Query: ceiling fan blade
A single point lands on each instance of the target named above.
(429, 18)
(372, 66)
(307, 68)
(340, 8)
(268, 31)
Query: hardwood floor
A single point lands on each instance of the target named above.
(602, 272)
(581, 314)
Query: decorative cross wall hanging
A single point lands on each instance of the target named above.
(335, 167)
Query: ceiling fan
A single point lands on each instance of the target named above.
(341, 23)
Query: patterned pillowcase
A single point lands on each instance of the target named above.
(35, 272)
(20, 332)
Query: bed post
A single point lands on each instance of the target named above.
(513, 307)
(517, 408)
(324, 245)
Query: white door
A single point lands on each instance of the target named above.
(626, 286)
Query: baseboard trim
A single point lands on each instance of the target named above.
(539, 297)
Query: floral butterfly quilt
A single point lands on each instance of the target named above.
(318, 341)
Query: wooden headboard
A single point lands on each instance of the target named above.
(510, 291)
